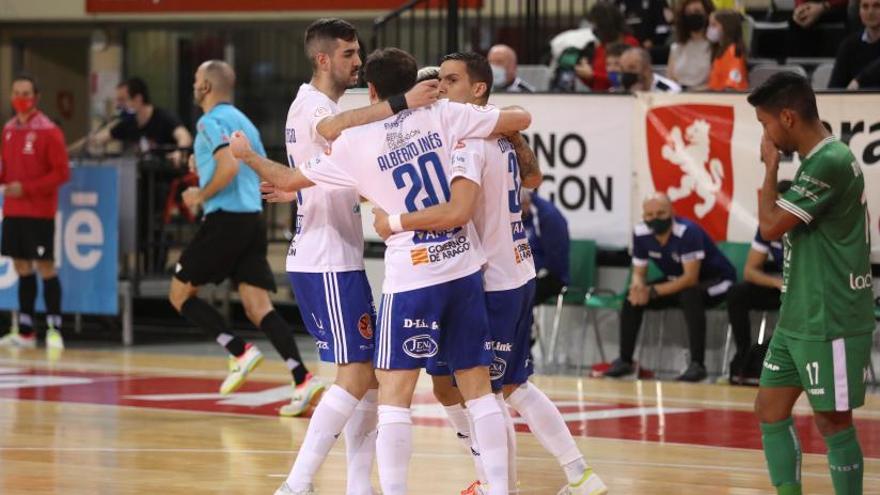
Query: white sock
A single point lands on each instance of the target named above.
(475, 452)
(549, 428)
(394, 448)
(329, 418)
(491, 435)
(360, 444)
(511, 441)
(463, 426)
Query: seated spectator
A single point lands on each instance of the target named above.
(859, 49)
(759, 290)
(612, 60)
(637, 73)
(648, 21)
(502, 59)
(696, 276)
(805, 38)
(152, 129)
(609, 27)
(729, 70)
(867, 79)
(547, 231)
(690, 58)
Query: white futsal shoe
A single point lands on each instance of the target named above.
(590, 484)
(286, 490)
(476, 488)
(303, 396)
(239, 368)
(15, 339)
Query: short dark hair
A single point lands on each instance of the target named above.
(392, 71)
(136, 86)
(786, 90)
(29, 78)
(608, 21)
(327, 29)
(616, 49)
(478, 68)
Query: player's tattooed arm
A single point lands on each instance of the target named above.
(529, 171)
(422, 94)
(773, 220)
(281, 176)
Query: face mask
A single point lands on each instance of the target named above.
(499, 77)
(660, 225)
(694, 22)
(713, 34)
(23, 104)
(614, 79)
(628, 80)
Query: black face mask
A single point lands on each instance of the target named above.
(660, 226)
(628, 79)
(694, 22)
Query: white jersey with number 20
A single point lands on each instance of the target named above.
(329, 236)
(404, 164)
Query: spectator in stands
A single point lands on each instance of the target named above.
(761, 290)
(648, 21)
(729, 70)
(152, 130)
(805, 37)
(502, 59)
(858, 50)
(637, 73)
(868, 78)
(609, 27)
(696, 276)
(547, 231)
(612, 62)
(690, 58)
(33, 167)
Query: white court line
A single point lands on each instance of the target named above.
(596, 461)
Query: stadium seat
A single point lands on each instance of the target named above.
(582, 270)
(822, 76)
(537, 75)
(761, 73)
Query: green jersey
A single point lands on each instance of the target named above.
(826, 274)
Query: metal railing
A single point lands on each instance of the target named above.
(431, 28)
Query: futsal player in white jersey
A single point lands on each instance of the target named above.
(501, 167)
(325, 262)
(433, 305)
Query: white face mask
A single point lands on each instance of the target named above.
(713, 34)
(499, 76)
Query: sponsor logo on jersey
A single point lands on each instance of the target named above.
(365, 326)
(816, 391)
(860, 282)
(522, 252)
(29, 143)
(290, 135)
(433, 236)
(440, 252)
(502, 347)
(420, 346)
(497, 368)
(689, 152)
(322, 112)
(517, 231)
(420, 323)
(322, 345)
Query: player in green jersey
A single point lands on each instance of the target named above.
(822, 342)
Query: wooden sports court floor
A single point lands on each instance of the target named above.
(129, 422)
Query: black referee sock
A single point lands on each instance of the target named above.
(204, 316)
(52, 298)
(281, 335)
(27, 297)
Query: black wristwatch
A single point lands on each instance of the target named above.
(652, 292)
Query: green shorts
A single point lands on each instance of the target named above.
(832, 373)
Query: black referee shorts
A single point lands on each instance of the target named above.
(228, 245)
(28, 238)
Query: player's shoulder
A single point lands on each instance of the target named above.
(641, 230)
(683, 227)
(310, 102)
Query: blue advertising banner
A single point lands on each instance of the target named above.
(86, 246)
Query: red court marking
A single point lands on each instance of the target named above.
(705, 427)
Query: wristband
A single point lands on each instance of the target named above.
(397, 103)
(395, 224)
(652, 292)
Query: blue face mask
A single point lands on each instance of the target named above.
(614, 78)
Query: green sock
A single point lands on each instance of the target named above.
(846, 462)
(783, 452)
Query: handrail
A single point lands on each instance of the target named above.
(394, 14)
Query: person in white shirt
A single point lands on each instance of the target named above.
(432, 308)
(500, 166)
(325, 263)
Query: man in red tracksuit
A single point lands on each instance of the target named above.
(34, 165)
